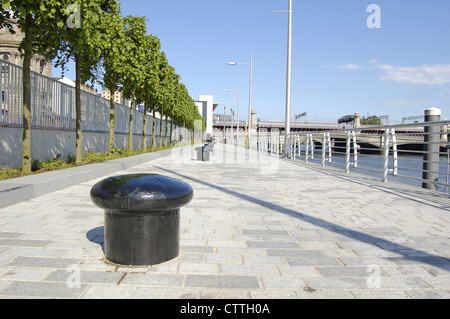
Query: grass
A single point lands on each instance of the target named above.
(56, 163)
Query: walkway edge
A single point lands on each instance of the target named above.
(21, 189)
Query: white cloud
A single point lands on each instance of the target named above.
(437, 74)
(350, 67)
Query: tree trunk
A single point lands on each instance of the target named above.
(153, 128)
(130, 132)
(112, 117)
(171, 130)
(144, 128)
(160, 129)
(165, 134)
(26, 128)
(79, 140)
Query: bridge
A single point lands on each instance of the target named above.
(372, 137)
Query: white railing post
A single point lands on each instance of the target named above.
(330, 147)
(355, 150)
(324, 146)
(385, 155)
(395, 151)
(307, 148)
(347, 152)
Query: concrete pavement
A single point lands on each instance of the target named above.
(258, 227)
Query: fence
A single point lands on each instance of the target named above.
(53, 119)
(53, 105)
(394, 152)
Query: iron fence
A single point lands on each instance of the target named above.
(53, 105)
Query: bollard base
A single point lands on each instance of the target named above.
(142, 239)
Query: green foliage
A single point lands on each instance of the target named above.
(371, 120)
(133, 72)
(40, 166)
(8, 173)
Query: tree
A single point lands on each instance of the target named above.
(372, 120)
(81, 41)
(133, 68)
(112, 46)
(146, 92)
(33, 19)
(166, 87)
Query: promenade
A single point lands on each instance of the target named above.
(258, 227)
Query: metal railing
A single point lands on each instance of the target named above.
(53, 105)
(395, 152)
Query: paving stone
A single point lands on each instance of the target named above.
(26, 289)
(294, 253)
(86, 276)
(246, 234)
(222, 281)
(153, 280)
(271, 244)
(259, 270)
(53, 263)
(283, 283)
(313, 261)
(99, 291)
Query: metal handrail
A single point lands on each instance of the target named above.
(392, 159)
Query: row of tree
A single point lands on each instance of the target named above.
(107, 48)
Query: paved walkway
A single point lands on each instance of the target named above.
(258, 227)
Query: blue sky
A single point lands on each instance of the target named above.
(340, 65)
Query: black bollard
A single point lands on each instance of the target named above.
(431, 149)
(142, 217)
(203, 153)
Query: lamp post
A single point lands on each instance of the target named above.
(250, 97)
(237, 126)
(288, 77)
(224, 132)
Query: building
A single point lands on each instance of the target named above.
(118, 97)
(84, 87)
(206, 107)
(106, 94)
(9, 58)
(9, 51)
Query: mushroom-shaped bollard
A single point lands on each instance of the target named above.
(142, 217)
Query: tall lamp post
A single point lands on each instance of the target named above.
(288, 77)
(250, 97)
(237, 126)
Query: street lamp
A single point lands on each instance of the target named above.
(237, 126)
(250, 97)
(288, 76)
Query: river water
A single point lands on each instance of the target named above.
(372, 165)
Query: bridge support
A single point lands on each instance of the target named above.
(431, 149)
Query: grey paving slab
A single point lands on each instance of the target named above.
(258, 227)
